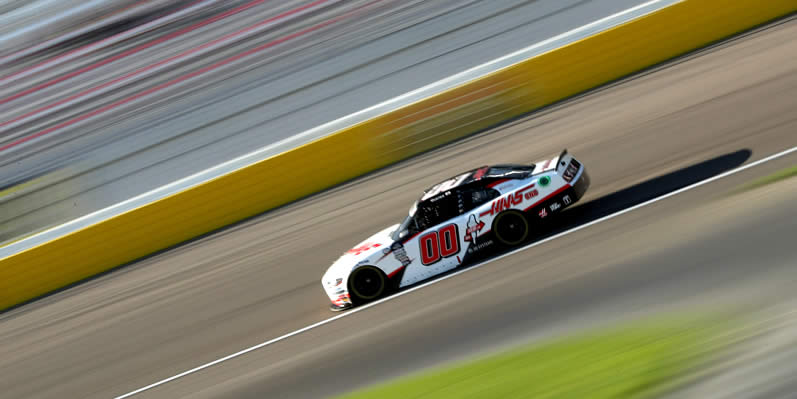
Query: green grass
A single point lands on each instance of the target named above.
(627, 363)
(777, 176)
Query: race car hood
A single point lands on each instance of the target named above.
(366, 252)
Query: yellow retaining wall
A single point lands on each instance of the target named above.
(379, 142)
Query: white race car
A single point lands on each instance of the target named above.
(454, 223)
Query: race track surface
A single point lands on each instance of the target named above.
(684, 122)
(232, 79)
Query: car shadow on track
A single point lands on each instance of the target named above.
(626, 198)
(641, 192)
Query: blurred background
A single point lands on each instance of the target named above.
(105, 100)
(158, 90)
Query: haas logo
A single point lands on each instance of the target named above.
(473, 228)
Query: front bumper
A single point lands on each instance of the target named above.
(340, 308)
(340, 299)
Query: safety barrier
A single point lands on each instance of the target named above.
(380, 141)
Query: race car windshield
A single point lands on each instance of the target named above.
(413, 208)
(404, 228)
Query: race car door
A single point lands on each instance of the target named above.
(437, 248)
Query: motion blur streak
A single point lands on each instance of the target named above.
(59, 21)
(155, 68)
(52, 62)
(339, 70)
(179, 80)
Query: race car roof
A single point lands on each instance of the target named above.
(483, 173)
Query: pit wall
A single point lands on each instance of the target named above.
(380, 141)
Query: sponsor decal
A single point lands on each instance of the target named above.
(543, 213)
(510, 200)
(342, 299)
(473, 228)
(544, 181)
(571, 170)
(400, 253)
(555, 206)
(363, 248)
(503, 203)
(570, 173)
(480, 246)
(566, 199)
(440, 196)
(479, 173)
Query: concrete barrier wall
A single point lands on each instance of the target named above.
(378, 142)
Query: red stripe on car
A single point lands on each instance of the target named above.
(497, 182)
(394, 272)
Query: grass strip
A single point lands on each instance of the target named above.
(775, 177)
(631, 362)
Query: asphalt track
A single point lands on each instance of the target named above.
(682, 123)
(192, 95)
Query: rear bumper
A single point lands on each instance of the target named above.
(566, 196)
(580, 184)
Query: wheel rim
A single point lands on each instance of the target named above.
(368, 283)
(512, 228)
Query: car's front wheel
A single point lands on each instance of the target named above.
(511, 227)
(366, 284)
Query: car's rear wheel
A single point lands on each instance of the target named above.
(511, 227)
(366, 284)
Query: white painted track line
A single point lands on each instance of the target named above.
(476, 266)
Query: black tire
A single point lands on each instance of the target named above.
(367, 283)
(511, 227)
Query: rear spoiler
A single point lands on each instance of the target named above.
(563, 159)
(553, 163)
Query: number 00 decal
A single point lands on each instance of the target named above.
(439, 244)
